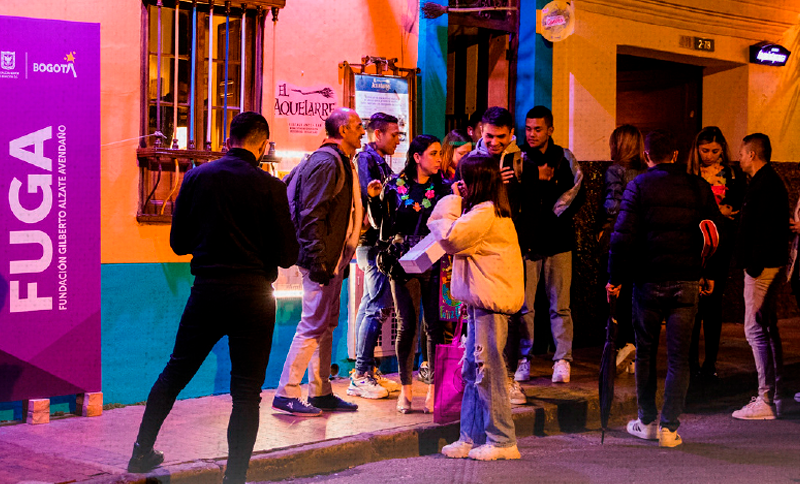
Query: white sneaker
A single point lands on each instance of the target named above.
(515, 393)
(667, 438)
(490, 452)
(646, 432)
(561, 371)
(389, 385)
(457, 450)
(523, 372)
(365, 386)
(757, 409)
(625, 356)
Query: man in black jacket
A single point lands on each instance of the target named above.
(549, 196)
(762, 250)
(233, 218)
(325, 203)
(657, 243)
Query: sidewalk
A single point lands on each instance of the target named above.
(193, 438)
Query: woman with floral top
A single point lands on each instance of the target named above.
(401, 213)
(710, 159)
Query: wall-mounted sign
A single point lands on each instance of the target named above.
(769, 54)
(704, 44)
(389, 95)
(49, 208)
(306, 107)
(558, 20)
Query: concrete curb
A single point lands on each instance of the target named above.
(545, 417)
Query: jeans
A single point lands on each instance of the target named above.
(557, 273)
(676, 303)
(375, 303)
(408, 293)
(246, 314)
(486, 408)
(761, 330)
(709, 316)
(313, 341)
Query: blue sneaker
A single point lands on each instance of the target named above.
(332, 402)
(295, 406)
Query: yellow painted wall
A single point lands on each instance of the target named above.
(737, 96)
(311, 39)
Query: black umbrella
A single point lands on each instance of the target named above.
(608, 367)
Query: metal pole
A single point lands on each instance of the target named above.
(241, 60)
(193, 73)
(175, 76)
(227, 49)
(158, 76)
(210, 71)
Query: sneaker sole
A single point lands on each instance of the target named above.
(519, 378)
(370, 396)
(670, 444)
(516, 456)
(453, 455)
(296, 414)
(519, 402)
(768, 417)
(561, 380)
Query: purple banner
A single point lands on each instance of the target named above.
(49, 208)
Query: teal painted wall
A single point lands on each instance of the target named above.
(432, 61)
(534, 67)
(141, 308)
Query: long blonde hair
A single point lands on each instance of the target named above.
(709, 134)
(627, 147)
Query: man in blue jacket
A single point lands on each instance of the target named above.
(657, 243)
(325, 203)
(377, 298)
(233, 218)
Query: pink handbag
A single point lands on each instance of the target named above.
(448, 382)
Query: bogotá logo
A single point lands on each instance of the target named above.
(66, 68)
(8, 64)
(8, 60)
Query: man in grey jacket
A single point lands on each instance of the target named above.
(325, 204)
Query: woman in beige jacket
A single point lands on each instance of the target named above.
(488, 277)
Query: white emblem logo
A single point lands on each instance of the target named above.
(8, 60)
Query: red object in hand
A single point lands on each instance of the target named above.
(719, 192)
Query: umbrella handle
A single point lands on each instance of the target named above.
(612, 306)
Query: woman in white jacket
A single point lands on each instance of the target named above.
(488, 278)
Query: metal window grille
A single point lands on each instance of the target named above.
(201, 66)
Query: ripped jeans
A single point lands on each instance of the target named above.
(486, 408)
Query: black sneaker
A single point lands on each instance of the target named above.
(295, 406)
(144, 461)
(332, 402)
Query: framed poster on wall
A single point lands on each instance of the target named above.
(391, 90)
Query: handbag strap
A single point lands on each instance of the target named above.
(457, 333)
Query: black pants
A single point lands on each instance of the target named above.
(246, 314)
(408, 293)
(709, 316)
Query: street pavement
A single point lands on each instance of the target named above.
(716, 449)
(193, 438)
